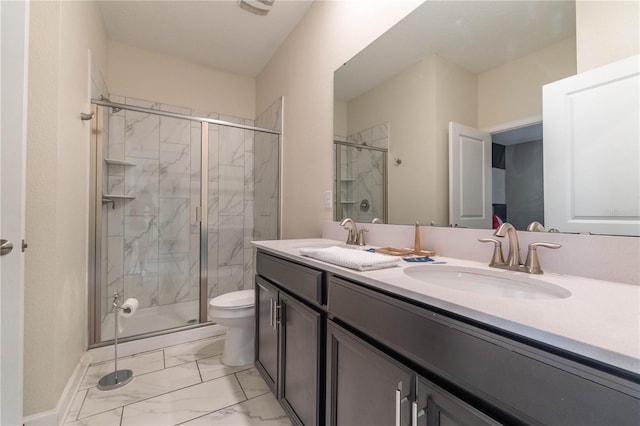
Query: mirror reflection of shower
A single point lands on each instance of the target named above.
(361, 175)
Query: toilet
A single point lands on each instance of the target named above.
(235, 311)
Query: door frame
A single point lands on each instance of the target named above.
(14, 55)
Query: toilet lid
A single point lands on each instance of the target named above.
(235, 299)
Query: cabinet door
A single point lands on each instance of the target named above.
(301, 350)
(364, 386)
(266, 340)
(437, 407)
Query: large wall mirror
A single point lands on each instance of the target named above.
(479, 64)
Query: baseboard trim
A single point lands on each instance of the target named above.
(57, 416)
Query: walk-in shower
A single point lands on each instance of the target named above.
(177, 196)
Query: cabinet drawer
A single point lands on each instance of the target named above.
(528, 383)
(304, 282)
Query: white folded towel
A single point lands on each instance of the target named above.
(350, 258)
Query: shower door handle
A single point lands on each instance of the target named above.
(5, 247)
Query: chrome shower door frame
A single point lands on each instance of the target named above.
(95, 302)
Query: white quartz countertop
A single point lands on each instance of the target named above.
(600, 320)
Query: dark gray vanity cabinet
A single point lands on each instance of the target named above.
(437, 407)
(472, 370)
(369, 388)
(266, 343)
(366, 387)
(290, 335)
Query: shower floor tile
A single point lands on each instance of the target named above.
(183, 384)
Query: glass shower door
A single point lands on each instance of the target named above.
(149, 174)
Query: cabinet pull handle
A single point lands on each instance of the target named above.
(270, 312)
(415, 414)
(398, 410)
(278, 315)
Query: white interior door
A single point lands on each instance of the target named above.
(13, 90)
(469, 177)
(592, 151)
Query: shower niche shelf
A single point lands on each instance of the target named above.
(118, 162)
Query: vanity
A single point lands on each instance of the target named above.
(397, 346)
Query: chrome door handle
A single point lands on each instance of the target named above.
(5, 247)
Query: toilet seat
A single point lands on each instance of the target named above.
(234, 300)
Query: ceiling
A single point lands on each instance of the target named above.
(476, 35)
(214, 33)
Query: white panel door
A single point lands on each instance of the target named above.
(13, 89)
(592, 151)
(469, 177)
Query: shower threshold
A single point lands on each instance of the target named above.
(152, 319)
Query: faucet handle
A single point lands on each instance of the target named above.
(532, 264)
(497, 260)
(360, 239)
(351, 237)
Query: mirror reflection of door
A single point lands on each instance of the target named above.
(469, 177)
(496, 177)
(360, 182)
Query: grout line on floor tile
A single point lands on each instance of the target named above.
(240, 385)
(149, 372)
(122, 406)
(161, 394)
(84, 398)
(199, 372)
(262, 394)
(214, 411)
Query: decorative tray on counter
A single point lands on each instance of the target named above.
(404, 252)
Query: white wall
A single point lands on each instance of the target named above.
(419, 103)
(606, 31)
(513, 91)
(302, 71)
(56, 264)
(143, 74)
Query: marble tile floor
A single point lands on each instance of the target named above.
(178, 385)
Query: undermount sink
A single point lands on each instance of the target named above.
(479, 281)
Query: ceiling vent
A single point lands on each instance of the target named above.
(258, 7)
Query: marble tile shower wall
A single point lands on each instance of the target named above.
(153, 240)
(364, 172)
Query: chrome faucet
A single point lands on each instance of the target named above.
(536, 226)
(352, 237)
(514, 263)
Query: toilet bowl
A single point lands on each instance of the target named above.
(235, 311)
